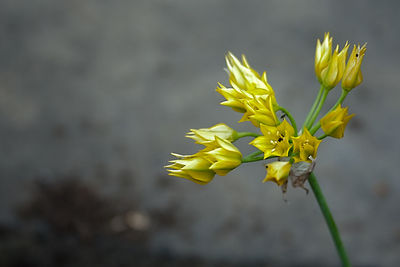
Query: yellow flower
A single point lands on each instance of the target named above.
(352, 76)
(195, 168)
(246, 83)
(207, 135)
(278, 172)
(323, 53)
(223, 155)
(333, 73)
(218, 157)
(260, 110)
(275, 140)
(234, 98)
(244, 77)
(305, 146)
(335, 122)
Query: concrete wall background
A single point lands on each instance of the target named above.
(105, 88)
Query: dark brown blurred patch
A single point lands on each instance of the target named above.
(102, 172)
(165, 181)
(69, 207)
(59, 131)
(381, 189)
(229, 226)
(68, 223)
(126, 178)
(165, 218)
(91, 126)
(257, 225)
(356, 124)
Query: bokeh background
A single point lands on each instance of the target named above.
(94, 95)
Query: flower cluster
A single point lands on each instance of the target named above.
(250, 93)
(332, 68)
(218, 157)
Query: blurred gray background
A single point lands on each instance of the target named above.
(100, 92)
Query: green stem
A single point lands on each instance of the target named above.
(322, 202)
(314, 106)
(252, 159)
(292, 120)
(244, 134)
(338, 102)
(255, 156)
(318, 109)
(322, 136)
(329, 220)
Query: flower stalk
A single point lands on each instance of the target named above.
(314, 106)
(319, 196)
(330, 222)
(318, 108)
(253, 157)
(244, 134)
(342, 97)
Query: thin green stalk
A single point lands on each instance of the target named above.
(252, 159)
(256, 153)
(329, 220)
(255, 156)
(339, 101)
(292, 120)
(244, 134)
(314, 106)
(321, 199)
(318, 109)
(322, 136)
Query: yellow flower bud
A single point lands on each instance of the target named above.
(275, 140)
(207, 135)
(195, 168)
(333, 73)
(260, 110)
(224, 156)
(246, 83)
(305, 146)
(234, 98)
(323, 54)
(352, 74)
(278, 172)
(334, 123)
(244, 77)
(218, 157)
